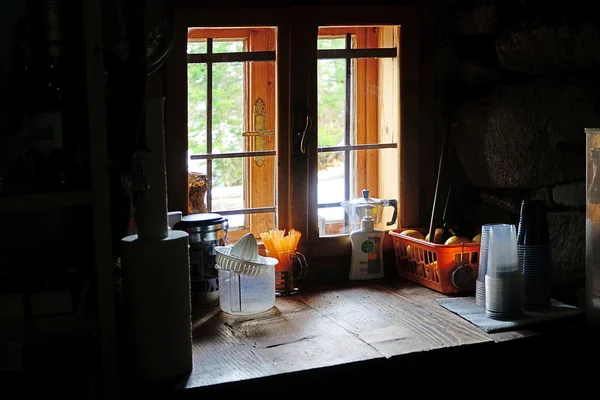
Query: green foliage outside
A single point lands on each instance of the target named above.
(228, 109)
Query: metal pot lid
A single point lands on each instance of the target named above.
(202, 219)
(365, 199)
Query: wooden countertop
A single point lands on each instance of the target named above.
(336, 331)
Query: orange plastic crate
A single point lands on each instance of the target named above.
(432, 265)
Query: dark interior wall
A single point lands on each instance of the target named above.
(11, 11)
(517, 84)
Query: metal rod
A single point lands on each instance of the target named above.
(358, 147)
(255, 56)
(349, 53)
(437, 186)
(233, 155)
(329, 205)
(257, 210)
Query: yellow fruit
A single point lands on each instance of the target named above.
(412, 233)
(477, 239)
(410, 251)
(457, 239)
(437, 238)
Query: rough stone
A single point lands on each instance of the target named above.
(477, 17)
(446, 60)
(567, 238)
(507, 203)
(478, 73)
(570, 194)
(562, 43)
(527, 134)
(544, 194)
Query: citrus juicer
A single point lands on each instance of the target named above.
(246, 279)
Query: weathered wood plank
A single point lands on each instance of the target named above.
(290, 337)
(393, 323)
(330, 325)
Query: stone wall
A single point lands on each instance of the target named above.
(517, 82)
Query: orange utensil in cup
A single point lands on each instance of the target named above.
(286, 272)
(292, 264)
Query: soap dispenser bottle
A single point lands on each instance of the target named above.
(367, 248)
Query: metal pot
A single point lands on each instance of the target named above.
(355, 211)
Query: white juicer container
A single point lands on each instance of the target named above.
(246, 279)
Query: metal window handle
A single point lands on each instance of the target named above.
(260, 131)
(305, 133)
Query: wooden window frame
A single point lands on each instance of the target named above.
(365, 75)
(296, 62)
(259, 83)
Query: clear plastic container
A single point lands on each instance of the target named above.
(592, 227)
(242, 294)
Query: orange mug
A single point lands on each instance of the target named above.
(286, 272)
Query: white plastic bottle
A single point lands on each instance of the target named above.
(367, 249)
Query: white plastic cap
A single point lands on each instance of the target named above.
(367, 222)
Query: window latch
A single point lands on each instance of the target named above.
(259, 132)
(304, 135)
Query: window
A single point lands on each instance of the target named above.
(289, 112)
(231, 118)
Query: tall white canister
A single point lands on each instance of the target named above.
(157, 334)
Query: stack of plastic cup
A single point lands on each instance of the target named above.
(483, 251)
(535, 260)
(503, 279)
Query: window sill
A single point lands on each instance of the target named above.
(328, 334)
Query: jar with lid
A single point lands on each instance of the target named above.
(206, 231)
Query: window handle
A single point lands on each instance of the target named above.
(305, 133)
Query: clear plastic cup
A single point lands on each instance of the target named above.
(502, 254)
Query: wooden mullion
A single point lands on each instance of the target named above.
(283, 138)
(176, 134)
(410, 149)
(302, 186)
(361, 118)
(325, 31)
(199, 34)
(209, 85)
(371, 112)
(261, 84)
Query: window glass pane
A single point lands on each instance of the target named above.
(330, 192)
(227, 184)
(228, 46)
(376, 170)
(331, 221)
(331, 177)
(196, 47)
(196, 110)
(364, 109)
(236, 183)
(197, 166)
(228, 107)
(363, 37)
(331, 86)
(331, 43)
